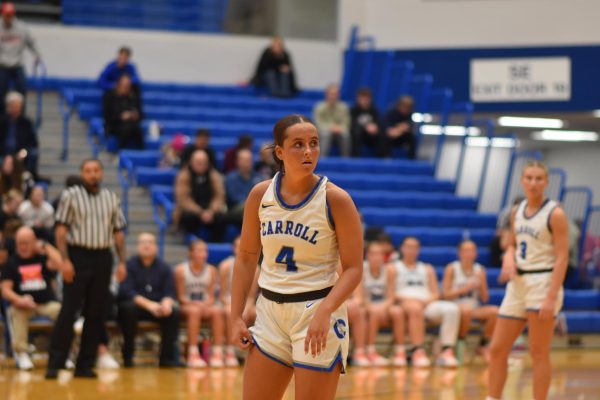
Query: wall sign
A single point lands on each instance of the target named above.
(520, 79)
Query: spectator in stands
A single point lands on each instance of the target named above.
(196, 281)
(266, 165)
(116, 69)
(10, 205)
(200, 197)
(244, 142)
(332, 118)
(148, 293)
(37, 213)
(365, 127)
(274, 70)
(238, 184)
(398, 125)
(18, 136)
(171, 151)
(14, 176)
(123, 115)
(373, 302)
(465, 283)
(14, 37)
(418, 293)
(201, 142)
(27, 283)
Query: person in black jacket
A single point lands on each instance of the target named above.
(123, 114)
(365, 129)
(274, 70)
(399, 127)
(17, 134)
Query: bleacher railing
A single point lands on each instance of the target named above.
(40, 73)
(66, 105)
(577, 203)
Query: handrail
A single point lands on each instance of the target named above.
(447, 95)
(124, 193)
(160, 200)
(392, 65)
(562, 176)
(66, 110)
(39, 66)
(585, 212)
(468, 110)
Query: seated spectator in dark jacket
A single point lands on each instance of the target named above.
(365, 128)
(27, 283)
(200, 198)
(266, 165)
(244, 142)
(274, 70)
(17, 134)
(201, 142)
(148, 293)
(238, 184)
(123, 114)
(399, 127)
(114, 70)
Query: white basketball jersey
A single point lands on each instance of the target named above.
(461, 279)
(196, 285)
(535, 250)
(412, 283)
(374, 286)
(299, 244)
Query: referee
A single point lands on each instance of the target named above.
(88, 220)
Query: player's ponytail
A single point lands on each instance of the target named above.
(279, 134)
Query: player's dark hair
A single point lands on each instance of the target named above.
(203, 132)
(126, 50)
(279, 133)
(364, 91)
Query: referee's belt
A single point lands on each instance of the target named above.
(295, 297)
(534, 271)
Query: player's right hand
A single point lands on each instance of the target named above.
(240, 334)
(509, 269)
(68, 271)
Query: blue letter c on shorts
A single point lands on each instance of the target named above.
(340, 328)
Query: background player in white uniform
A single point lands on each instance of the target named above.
(535, 266)
(465, 283)
(306, 227)
(376, 295)
(418, 293)
(195, 281)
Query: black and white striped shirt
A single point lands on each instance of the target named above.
(92, 218)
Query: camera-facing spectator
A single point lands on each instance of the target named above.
(238, 184)
(266, 165)
(399, 127)
(10, 205)
(18, 136)
(27, 283)
(200, 197)
(14, 37)
(274, 70)
(148, 293)
(201, 142)
(230, 161)
(332, 118)
(365, 126)
(123, 115)
(37, 213)
(115, 69)
(13, 176)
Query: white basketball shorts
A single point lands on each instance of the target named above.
(525, 293)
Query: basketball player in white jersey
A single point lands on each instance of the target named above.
(418, 293)
(534, 266)
(305, 227)
(465, 283)
(375, 295)
(195, 281)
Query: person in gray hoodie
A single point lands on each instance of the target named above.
(14, 37)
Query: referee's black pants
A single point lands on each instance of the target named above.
(90, 289)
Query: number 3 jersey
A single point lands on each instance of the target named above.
(299, 244)
(535, 250)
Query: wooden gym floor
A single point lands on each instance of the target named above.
(576, 376)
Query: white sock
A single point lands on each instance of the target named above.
(229, 350)
(217, 350)
(193, 350)
(371, 349)
(399, 348)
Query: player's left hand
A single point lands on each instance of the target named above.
(547, 309)
(316, 336)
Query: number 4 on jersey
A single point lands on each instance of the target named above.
(286, 257)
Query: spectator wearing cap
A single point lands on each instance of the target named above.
(115, 69)
(14, 37)
(201, 142)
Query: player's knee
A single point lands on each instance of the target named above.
(396, 312)
(539, 353)
(499, 351)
